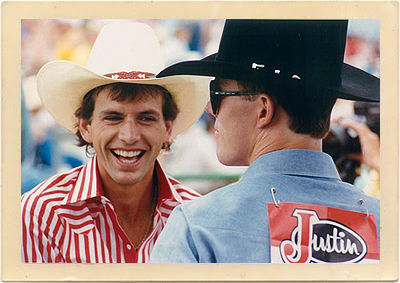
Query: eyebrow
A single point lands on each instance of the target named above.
(150, 112)
(110, 112)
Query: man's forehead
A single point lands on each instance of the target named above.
(221, 82)
(107, 98)
(140, 93)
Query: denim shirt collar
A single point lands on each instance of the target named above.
(294, 162)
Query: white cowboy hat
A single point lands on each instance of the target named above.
(125, 52)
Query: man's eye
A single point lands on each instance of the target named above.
(147, 119)
(112, 118)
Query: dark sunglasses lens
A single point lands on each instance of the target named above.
(215, 102)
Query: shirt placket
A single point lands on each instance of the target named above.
(129, 252)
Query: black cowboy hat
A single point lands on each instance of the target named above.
(289, 53)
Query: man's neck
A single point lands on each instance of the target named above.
(130, 199)
(134, 207)
(283, 138)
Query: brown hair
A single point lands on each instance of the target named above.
(125, 92)
(308, 108)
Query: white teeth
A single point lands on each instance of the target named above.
(124, 153)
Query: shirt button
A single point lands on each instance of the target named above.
(129, 247)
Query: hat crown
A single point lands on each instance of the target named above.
(288, 56)
(125, 47)
(311, 49)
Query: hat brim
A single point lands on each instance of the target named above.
(63, 84)
(356, 84)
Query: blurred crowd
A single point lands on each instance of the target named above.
(47, 148)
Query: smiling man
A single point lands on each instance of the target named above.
(112, 209)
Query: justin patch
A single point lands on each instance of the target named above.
(304, 233)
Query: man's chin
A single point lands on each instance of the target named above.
(225, 161)
(127, 183)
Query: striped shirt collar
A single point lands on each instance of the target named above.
(89, 185)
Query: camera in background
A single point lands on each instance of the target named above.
(340, 142)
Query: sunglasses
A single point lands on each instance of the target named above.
(217, 95)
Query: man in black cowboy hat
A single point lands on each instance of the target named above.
(276, 83)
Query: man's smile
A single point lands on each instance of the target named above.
(128, 156)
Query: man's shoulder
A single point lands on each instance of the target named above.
(184, 192)
(52, 190)
(217, 203)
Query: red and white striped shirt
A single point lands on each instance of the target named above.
(67, 218)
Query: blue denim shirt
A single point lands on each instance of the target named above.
(231, 224)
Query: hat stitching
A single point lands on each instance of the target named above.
(130, 75)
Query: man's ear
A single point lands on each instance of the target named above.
(267, 110)
(168, 124)
(86, 130)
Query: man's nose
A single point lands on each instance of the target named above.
(129, 132)
(209, 109)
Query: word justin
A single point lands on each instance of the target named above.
(315, 240)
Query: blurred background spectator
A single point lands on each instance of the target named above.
(47, 148)
(353, 140)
